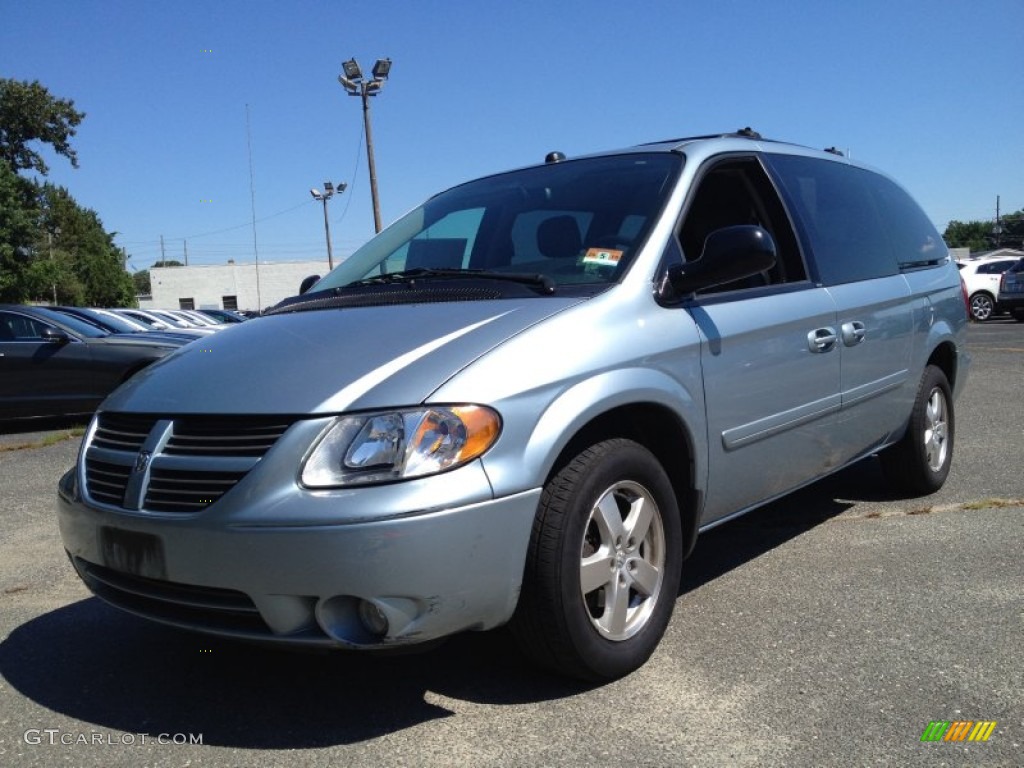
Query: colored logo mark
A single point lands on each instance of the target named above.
(958, 730)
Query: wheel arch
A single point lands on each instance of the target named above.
(660, 430)
(944, 357)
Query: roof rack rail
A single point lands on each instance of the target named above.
(742, 133)
(835, 151)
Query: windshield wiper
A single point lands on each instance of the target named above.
(543, 283)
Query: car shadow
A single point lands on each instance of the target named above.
(99, 665)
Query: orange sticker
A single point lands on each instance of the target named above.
(609, 256)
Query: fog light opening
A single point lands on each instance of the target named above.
(372, 618)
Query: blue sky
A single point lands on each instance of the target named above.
(931, 92)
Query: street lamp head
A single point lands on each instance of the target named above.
(381, 69)
(372, 87)
(316, 194)
(328, 188)
(348, 85)
(352, 70)
(342, 187)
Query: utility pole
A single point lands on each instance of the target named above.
(185, 243)
(997, 230)
(163, 256)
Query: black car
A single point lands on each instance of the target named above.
(1011, 291)
(52, 364)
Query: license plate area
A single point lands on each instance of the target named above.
(140, 554)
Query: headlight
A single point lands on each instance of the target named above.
(397, 445)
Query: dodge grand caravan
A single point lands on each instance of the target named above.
(522, 402)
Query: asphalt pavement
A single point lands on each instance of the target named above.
(830, 628)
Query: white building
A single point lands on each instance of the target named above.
(228, 286)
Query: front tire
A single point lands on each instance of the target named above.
(603, 567)
(919, 464)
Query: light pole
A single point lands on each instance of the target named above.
(323, 197)
(353, 82)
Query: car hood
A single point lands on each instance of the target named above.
(331, 360)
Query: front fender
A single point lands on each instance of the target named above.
(532, 443)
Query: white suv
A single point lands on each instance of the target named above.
(981, 276)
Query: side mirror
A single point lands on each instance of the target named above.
(55, 336)
(730, 253)
(307, 283)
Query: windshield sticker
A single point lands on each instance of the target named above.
(604, 256)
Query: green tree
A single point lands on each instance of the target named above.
(19, 214)
(143, 285)
(29, 113)
(51, 248)
(79, 255)
(968, 234)
(1012, 235)
(981, 235)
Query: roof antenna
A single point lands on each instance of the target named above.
(748, 132)
(554, 157)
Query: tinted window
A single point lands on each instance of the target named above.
(914, 238)
(994, 267)
(16, 327)
(841, 217)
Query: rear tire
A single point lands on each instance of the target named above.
(602, 572)
(983, 306)
(919, 464)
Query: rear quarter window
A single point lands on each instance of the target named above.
(858, 225)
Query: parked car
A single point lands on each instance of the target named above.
(523, 401)
(154, 320)
(981, 277)
(55, 365)
(190, 318)
(199, 318)
(117, 324)
(1011, 291)
(224, 315)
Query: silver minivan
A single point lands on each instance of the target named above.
(521, 402)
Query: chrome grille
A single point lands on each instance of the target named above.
(149, 463)
(122, 431)
(175, 490)
(244, 438)
(107, 481)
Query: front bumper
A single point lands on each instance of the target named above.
(235, 570)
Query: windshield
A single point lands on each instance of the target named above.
(79, 326)
(574, 222)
